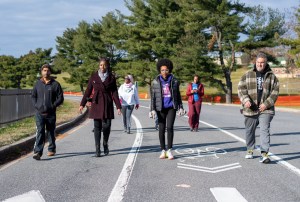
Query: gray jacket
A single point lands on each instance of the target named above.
(156, 94)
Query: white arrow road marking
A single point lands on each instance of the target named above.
(227, 194)
(119, 189)
(209, 170)
(32, 196)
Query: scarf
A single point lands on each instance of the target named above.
(102, 76)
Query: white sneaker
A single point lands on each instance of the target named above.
(249, 154)
(264, 158)
(170, 155)
(163, 154)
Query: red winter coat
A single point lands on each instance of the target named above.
(191, 95)
(102, 100)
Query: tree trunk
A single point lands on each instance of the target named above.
(229, 86)
(81, 88)
(226, 71)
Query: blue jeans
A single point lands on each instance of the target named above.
(45, 122)
(126, 112)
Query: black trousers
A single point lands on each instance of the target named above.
(166, 118)
(43, 122)
(102, 125)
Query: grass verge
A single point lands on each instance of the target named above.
(26, 127)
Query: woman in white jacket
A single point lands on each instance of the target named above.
(129, 98)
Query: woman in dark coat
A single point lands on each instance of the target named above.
(165, 101)
(103, 84)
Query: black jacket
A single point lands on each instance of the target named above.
(47, 97)
(156, 94)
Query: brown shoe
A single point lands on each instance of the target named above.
(50, 153)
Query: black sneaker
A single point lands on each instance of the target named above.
(36, 156)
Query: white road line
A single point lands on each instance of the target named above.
(32, 196)
(273, 156)
(223, 131)
(209, 171)
(227, 194)
(207, 168)
(119, 189)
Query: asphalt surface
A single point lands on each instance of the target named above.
(209, 165)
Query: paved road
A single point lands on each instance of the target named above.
(209, 165)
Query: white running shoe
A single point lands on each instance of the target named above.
(249, 154)
(170, 155)
(163, 154)
(264, 158)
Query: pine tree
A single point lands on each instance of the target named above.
(294, 44)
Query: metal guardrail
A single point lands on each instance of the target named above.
(15, 104)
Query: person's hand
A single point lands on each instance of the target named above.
(80, 109)
(262, 107)
(88, 104)
(137, 106)
(247, 104)
(119, 111)
(192, 91)
(181, 112)
(152, 114)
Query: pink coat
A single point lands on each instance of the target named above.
(191, 95)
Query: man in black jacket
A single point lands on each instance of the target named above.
(46, 96)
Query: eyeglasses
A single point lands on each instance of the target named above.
(164, 70)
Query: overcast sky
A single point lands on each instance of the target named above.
(29, 24)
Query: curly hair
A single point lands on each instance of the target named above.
(164, 62)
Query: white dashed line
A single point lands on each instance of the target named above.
(227, 194)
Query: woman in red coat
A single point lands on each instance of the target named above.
(194, 91)
(103, 84)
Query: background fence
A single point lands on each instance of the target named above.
(14, 105)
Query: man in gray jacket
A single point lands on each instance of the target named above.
(47, 95)
(258, 90)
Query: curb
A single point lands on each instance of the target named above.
(24, 146)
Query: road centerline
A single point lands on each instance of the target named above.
(117, 193)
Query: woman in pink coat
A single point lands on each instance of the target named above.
(195, 92)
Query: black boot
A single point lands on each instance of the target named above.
(97, 135)
(98, 151)
(106, 150)
(128, 130)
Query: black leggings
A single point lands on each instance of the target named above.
(166, 116)
(98, 126)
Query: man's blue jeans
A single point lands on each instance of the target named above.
(45, 122)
